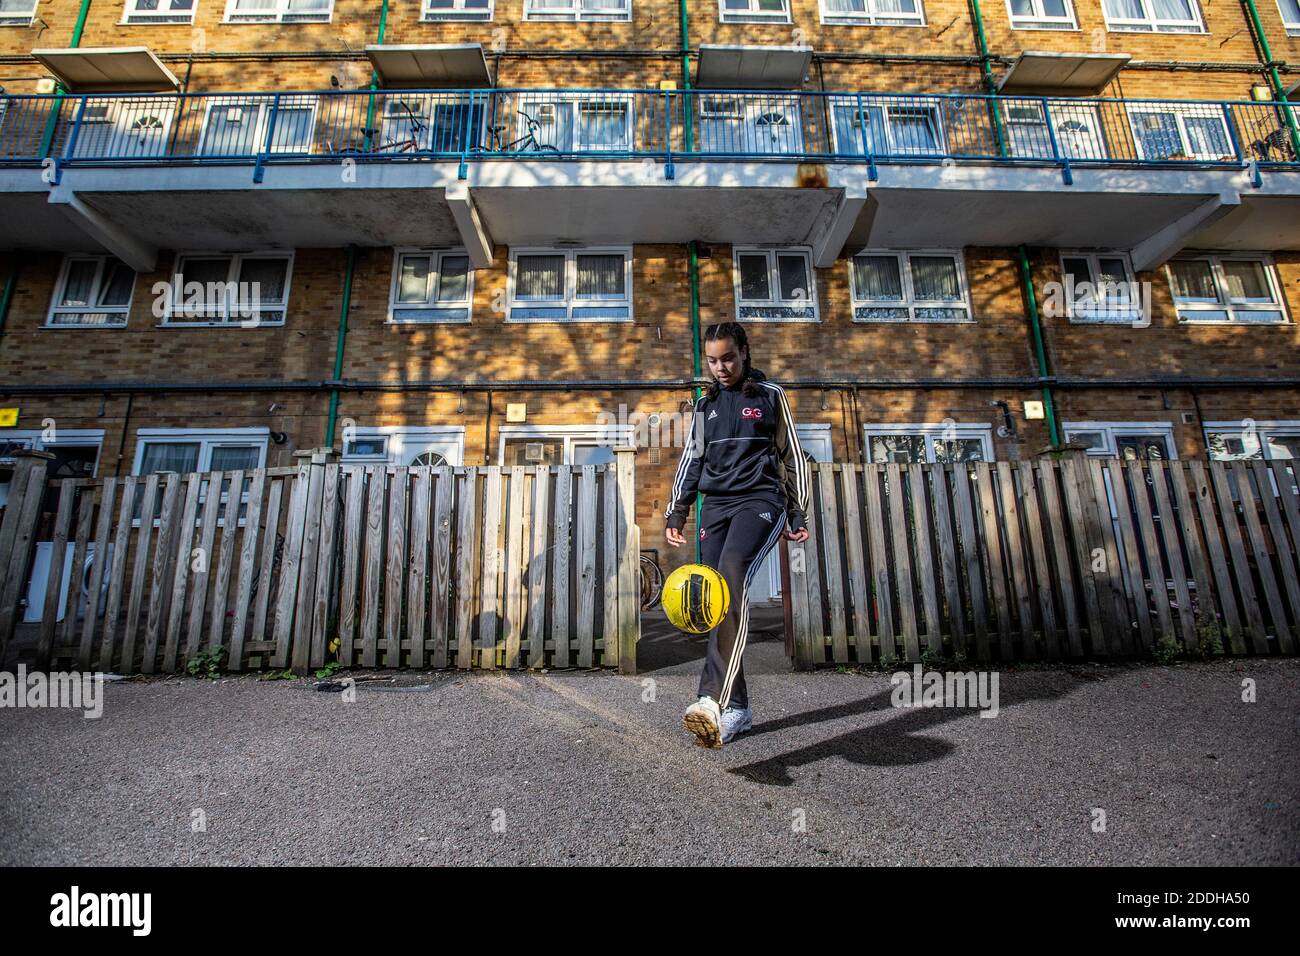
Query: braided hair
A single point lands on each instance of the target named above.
(751, 376)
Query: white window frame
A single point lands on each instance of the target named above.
(1263, 430)
(535, 105)
(931, 431)
(1062, 113)
(775, 303)
(1180, 112)
(232, 275)
(753, 14)
(96, 288)
(1110, 431)
(740, 123)
(570, 302)
(207, 439)
(612, 436)
(1292, 27)
(909, 301)
(930, 104)
(1039, 20)
(19, 19)
(279, 14)
(457, 13)
(136, 17)
(1152, 24)
(431, 306)
(1224, 303)
(263, 105)
(871, 16)
(1097, 316)
(34, 440)
(399, 439)
(558, 10)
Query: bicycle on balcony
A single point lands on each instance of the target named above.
(372, 143)
(528, 143)
(1275, 147)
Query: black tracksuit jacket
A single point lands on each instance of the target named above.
(742, 447)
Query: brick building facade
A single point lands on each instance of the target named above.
(1206, 200)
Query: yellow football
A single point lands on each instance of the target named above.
(696, 598)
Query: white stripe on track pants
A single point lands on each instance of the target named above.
(735, 540)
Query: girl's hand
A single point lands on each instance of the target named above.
(800, 535)
(675, 537)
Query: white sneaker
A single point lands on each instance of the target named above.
(735, 721)
(704, 720)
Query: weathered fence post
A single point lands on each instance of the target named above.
(629, 564)
(18, 528)
(308, 562)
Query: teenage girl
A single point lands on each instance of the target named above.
(743, 454)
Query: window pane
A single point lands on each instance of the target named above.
(935, 278)
(118, 279)
(754, 279)
(1055, 8)
(793, 274)
(1284, 446)
(268, 274)
(592, 454)
(958, 449)
(453, 279)
(540, 277)
(1246, 280)
(170, 456)
(877, 278)
(1095, 441)
(1193, 279)
(897, 448)
(366, 447)
(81, 277)
(1233, 446)
(235, 457)
(600, 276)
(201, 286)
(1206, 136)
(413, 282)
(1142, 447)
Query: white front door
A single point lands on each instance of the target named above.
(816, 441)
(124, 128)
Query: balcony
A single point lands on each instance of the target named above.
(423, 167)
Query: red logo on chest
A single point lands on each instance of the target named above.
(751, 413)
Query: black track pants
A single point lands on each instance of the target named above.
(735, 538)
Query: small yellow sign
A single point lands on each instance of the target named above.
(516, 411)
(8, 417)
(1033, 410)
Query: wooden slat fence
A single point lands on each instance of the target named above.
(1062, 557)
(464, 567)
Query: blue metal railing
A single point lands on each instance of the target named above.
(468, 126)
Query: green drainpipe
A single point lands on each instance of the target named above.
(374, 74)
(344, 308)
(990, 85)
(1040, 351)
(47, 140)
(1035, 324)
(1258, 29)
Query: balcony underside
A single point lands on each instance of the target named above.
(830, 207)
